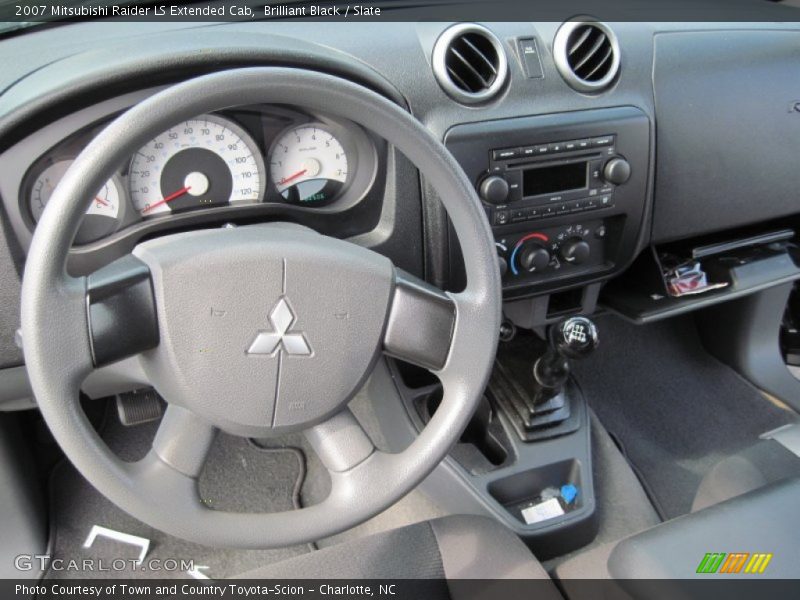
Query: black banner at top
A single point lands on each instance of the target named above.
(27, 11)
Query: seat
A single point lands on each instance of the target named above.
(453, 547)
(761, 522)
(763, 463)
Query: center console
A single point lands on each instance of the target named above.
(566, 196)
(565, 193)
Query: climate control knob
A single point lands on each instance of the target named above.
(617, 171)
(575, 251)
(502, 265)
(494, 189)
(533, 257)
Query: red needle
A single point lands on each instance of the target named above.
(169, 198)
(101, 201)
(291, 177)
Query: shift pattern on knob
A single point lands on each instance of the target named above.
(575, 337)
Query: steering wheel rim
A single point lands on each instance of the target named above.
(161, 489)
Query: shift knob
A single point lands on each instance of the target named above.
(575, 337)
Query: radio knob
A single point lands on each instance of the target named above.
(575, 251)
(617, 171)
(494, 189)
(533, 257)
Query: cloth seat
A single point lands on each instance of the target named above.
(764, 521)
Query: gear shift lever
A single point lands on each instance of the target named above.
(538, 400)
(575, 337)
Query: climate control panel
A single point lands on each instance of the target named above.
(528, 256)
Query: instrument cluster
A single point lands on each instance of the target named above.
(239, 157)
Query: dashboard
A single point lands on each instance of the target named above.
(581, 168)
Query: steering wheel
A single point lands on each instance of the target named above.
(256, 330)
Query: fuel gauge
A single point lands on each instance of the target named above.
(102, 217)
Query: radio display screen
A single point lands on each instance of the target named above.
(559, 178)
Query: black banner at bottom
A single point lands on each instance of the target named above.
(402, 589)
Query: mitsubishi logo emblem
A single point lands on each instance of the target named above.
(280, 338)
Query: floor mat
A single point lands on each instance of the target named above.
(675, 410)
(238, 476)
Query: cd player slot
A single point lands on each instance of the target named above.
(536, 161)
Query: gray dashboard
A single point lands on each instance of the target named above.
(682, 78)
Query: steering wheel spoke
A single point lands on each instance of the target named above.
(340, 442)
(421, 322)
(183, 441)
(121, 311)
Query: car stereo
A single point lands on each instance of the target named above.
(537, 181)
(565, 193)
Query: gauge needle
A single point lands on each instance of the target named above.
(101, 201)
(169, 198)
(292, 177)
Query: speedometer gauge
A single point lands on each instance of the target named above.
(308, 165)
(203, 162)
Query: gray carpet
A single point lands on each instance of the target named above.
(675, 410)
(239, 476)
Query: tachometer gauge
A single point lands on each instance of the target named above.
(203, 162)
(102, 217)
(308, 165)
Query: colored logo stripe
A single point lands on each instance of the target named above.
(734, 562)
(711, 562)
(722, 562)
(758, 563)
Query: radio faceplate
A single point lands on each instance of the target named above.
(551, 172)
(550, 179)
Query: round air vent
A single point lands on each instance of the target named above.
(469, 63)
(586, 54)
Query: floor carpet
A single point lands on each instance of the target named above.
(676, 411)
(239, 476)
